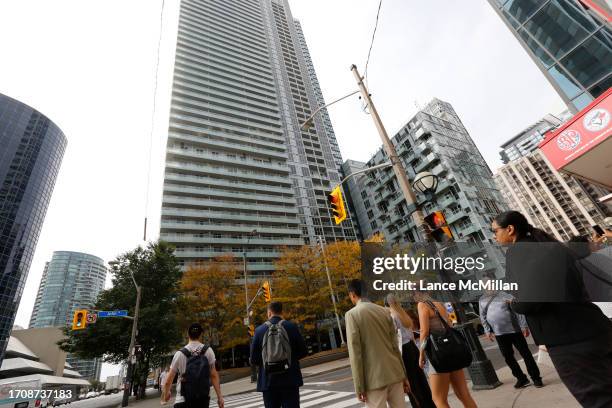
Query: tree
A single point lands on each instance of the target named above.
(298, 279)
(156, 270)
(344, 263)
(210, 296)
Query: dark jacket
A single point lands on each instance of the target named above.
(551, 294)
(293, 378)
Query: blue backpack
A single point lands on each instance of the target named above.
(195, 381)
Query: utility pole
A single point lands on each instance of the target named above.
(331, 290)
(398, 167)
(131, 357)
(481, 370)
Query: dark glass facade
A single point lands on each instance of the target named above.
(31, 151)
(569, 43)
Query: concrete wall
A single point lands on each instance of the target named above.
(43, 342)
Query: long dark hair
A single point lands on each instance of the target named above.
(522, 227)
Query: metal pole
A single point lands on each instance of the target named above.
(369, 169)
(333, 296)
(307, 121)
(130, 368)
(398, 167)
(246, 300)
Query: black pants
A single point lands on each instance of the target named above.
(282, 398)
(420, 394)
(203, 403)
(586, 370)
(505, 342)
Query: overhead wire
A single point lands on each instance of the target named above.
(148, 187)
(365, 72)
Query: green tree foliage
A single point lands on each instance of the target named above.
(156, 270)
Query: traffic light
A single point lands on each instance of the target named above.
(440, 230)
(337, 205)
(266, 291)
(79, 321)
(251, 330)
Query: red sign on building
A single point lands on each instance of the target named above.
(583, 146)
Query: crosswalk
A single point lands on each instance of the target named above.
(309, 398)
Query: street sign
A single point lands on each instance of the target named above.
(92, 317)
(112, 313)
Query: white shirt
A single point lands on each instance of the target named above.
(179, 364)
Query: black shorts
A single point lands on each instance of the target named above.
(202, 403)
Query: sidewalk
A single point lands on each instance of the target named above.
(554, 394)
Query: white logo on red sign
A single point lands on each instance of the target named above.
(596, 120)
(568, 140)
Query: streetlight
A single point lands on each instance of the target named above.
(426, 183)
(309, 122)
(131, 358)
(331, 290)
(246, 298)
(481, 370)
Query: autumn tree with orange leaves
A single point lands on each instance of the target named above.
(211, 297)
(300, 282)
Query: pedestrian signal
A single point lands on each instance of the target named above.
(337, 205)
(440, 230)
(266, 291)
(79, 321)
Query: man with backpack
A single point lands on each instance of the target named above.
(277, 348)
(195, 365)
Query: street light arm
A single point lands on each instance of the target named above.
(303, 126)
(369, 169)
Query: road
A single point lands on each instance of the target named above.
(335, 389)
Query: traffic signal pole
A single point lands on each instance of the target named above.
(481, 370)
(331, 290)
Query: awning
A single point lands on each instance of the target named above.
(582, 147)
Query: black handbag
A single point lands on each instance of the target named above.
(448, 351)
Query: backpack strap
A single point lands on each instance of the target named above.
(186, 352)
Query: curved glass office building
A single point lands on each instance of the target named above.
(31, 151)
(70, 281)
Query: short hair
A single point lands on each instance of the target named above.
(195, 331)
(276, 307)
(355, 286)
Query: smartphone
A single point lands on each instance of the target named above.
(598, 230)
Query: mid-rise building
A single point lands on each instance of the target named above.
(555, 202)
(570, 43)
(241, 174)
(31, 152)
(434, 140)
(71, 281)
(529, 139)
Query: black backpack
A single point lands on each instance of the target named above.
(449, 351)
(195, 381)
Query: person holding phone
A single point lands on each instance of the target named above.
(420, 393)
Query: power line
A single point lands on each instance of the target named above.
(365, 72)
(161, 26)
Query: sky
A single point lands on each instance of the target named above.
(91, 68)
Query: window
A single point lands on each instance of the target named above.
(588, 62)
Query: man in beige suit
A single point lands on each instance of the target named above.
(376, 362)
